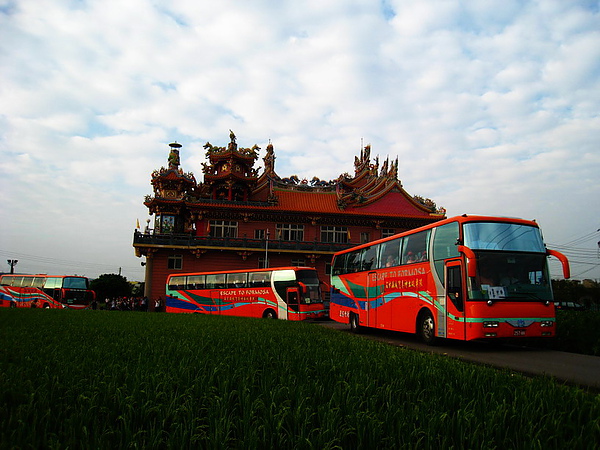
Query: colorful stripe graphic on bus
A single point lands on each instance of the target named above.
(290, 293)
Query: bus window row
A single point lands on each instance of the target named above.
(22, 281)
(390, 253)
(46, 282)
(238, 280)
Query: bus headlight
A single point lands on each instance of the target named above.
(547, 323)
(490, 324)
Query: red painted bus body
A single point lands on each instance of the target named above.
(289, 293)
(467, 277)
(45, 291)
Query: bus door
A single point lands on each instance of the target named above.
(293, 303)
(215, 308)
(455, 300)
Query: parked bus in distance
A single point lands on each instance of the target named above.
(45, 291)
(289, 293)
(467, 277)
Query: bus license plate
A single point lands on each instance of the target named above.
(519, 333)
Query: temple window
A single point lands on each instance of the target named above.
(387, 232)
(175, 262)
(223, 228)
(334, 234)
(290, 232)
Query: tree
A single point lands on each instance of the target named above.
(111, 285)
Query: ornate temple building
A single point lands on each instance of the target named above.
(240, 217)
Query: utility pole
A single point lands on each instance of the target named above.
(12, 263)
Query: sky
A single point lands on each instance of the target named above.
(491, 108)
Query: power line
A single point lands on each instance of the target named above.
(45, 260)
(583, 239)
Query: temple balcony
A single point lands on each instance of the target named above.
(228, 243)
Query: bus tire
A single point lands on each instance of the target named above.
(354, 324)
(426, 327)
(46, 306)
(13, 304)
(269, 314)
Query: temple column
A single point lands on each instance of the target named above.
(148, 278)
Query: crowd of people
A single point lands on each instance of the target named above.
(142, 304)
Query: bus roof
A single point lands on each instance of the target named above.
(217, 272)
(461, 219)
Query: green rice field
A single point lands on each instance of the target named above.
(99, 379)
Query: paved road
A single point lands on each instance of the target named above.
(571, 368)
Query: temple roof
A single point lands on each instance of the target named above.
(372, 191)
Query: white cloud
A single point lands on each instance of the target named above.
(488, 109)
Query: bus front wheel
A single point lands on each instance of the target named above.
(269, 314)
(354, 323)
(426, 328)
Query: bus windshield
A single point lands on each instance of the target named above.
(511, 276)
(503, 236)
(311, 280)
(74, 283)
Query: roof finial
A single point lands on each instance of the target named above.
(174, 155)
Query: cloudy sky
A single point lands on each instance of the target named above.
(491, 107)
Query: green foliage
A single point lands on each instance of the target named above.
(95, 379)
(577, 332)
(586, 293)
(111, 285)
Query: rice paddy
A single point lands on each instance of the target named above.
(96, 379)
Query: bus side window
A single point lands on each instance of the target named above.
(237, 280)
(353, 263)
(389, 253)
(177, 283)
(260, 279)
(444, 246)
(216, 281)
(339, 264)
(27, 282)
(415, 248)
(369, 257)
(195, 282)
(38, 282)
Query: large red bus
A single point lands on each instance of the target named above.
(45, 291)
(467, 277)
(290, 293)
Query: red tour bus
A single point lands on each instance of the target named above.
(45, 291)
(467, 277)
(289, 293)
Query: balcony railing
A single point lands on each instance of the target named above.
(186, 240)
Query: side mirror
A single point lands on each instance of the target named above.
(471, 260)
(563, 260)
(303, 288)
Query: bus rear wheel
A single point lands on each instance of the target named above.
(426, 328)
(355, 324)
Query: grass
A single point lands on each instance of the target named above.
(96, 379)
